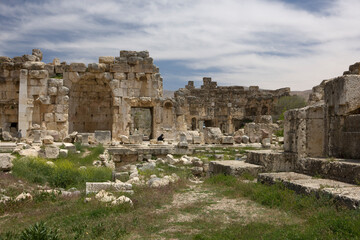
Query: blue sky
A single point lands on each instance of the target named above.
(269, 43)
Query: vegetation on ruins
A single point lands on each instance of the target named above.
(287, 103)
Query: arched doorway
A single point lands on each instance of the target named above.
(90, 106)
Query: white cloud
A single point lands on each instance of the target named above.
(258, 42)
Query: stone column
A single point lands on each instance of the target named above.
(23, 123)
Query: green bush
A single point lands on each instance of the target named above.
(279, 133)
(39, 231)
(287, 103)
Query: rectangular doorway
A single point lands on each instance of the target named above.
(142, 122)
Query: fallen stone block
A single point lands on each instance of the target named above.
(227, 140)
(234, 168)
(6, 161)
(136, 139)
(103, 137)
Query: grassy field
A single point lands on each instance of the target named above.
(222, 207)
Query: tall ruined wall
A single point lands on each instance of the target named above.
(58, 98)
(224, 107)
(30, 97)
(103, 94)
(330, 126)
(342, 117)
(9, 94)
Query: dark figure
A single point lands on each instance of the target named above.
(19, 134)
(161, 137)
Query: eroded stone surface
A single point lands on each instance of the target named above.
(234, 168)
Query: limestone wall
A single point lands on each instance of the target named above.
(223, 107)
(102, 95)
(30, 98)
(330, 127)
(304, 131)
(342, 125)
(58, 98)
(9, 94)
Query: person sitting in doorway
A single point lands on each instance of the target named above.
(161, 138)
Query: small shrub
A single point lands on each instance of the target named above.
(44, 196)
(33, 169)
(39, 231)
(279, 133)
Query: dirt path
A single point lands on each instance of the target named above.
(197, 207)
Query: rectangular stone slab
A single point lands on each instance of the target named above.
(234, 168)
(345, 193)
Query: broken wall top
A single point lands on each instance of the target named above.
(209, 85)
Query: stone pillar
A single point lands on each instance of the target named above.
(23, 123)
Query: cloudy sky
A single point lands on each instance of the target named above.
(270, 43)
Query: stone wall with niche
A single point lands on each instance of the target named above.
(110, 89)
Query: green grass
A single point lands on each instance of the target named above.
(75, 219)
(65, 172)
(323, 218)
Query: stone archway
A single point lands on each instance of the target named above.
(90, 106)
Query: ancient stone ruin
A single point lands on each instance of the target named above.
(120, 100)
(117, 99)
(227, 108)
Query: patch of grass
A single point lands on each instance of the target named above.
(79, 147)
(95, 220)
(323, 218)
(65, 172)
(35, 170)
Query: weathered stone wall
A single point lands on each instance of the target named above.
(330, 127)
(30, 98)
(342, 115)
(9, 94)
(111, 89)
(223, 107)
(81, 98)
(304, 131)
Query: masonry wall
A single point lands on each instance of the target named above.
(58, 98)
(225, 107)
(330, 127)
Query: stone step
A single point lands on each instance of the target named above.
(272, 161)
(234, 168)
(345, 170)
(344, 193)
